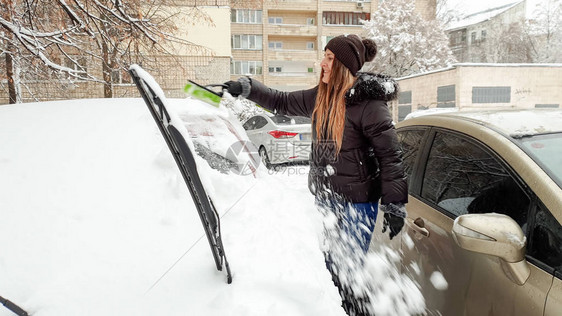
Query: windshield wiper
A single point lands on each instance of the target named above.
(13, 307)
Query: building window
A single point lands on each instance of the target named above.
(275, 45)
(405, 97)
(483, 35)
(403, 111)
(120, 76)
(344, 18)
(310, 45)
(457, 38)
(275, 20)
(404, 104)
(247, 42)
(246, 16)
(491, 94)
(246, 68)
(79, 64)
(547, 106)
(446, 96)
(275, 69)
(473, 37)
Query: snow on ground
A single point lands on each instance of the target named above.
(96, 220)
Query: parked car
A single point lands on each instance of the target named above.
(279, 138)
(484, 211)
(221, 143)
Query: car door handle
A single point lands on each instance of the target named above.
(418, 226)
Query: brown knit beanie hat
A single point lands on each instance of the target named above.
(352, 51)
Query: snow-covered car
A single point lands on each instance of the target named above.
(96, 219)
(483, 234)
(218, 138)
(279, 138)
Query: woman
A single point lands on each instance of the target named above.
(356, 159)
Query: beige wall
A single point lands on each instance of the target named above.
(424, 88)
(214, 35)
(530, 85)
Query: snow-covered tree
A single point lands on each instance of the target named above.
(447, 13)
(507, 44)
(546, 30)
(60, 41)
(407, 43)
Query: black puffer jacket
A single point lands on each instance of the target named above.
(369, 164)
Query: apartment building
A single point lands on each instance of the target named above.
(474, 38)
(281, 42)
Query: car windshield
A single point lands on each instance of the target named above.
(286, 120)
(547, 151)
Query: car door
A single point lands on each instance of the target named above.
(544, 250)
(457, 175)
(411, 141)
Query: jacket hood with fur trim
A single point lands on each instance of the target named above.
(370, 86)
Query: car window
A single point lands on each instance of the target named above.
(461, 177)
(410, 140)
(546, 239)
(281, 119)
(260, 122)
(284, 120)
(546, 150)
(250, 124)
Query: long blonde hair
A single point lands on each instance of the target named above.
(329, 110)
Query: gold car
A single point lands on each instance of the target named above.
(483, 234)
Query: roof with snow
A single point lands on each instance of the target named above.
(481, 16)
(491, 65)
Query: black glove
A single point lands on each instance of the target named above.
(394, 222)
(234, 88)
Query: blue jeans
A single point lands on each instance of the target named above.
(361, 227)
(348, 242)
(355, 220)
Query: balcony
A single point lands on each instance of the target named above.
(293, 5)
(292, 30)
(346, 6)
(292, 55)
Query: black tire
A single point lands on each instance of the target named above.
(265, 158)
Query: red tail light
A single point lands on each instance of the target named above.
(282, 134)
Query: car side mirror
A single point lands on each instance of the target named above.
(496, 235)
